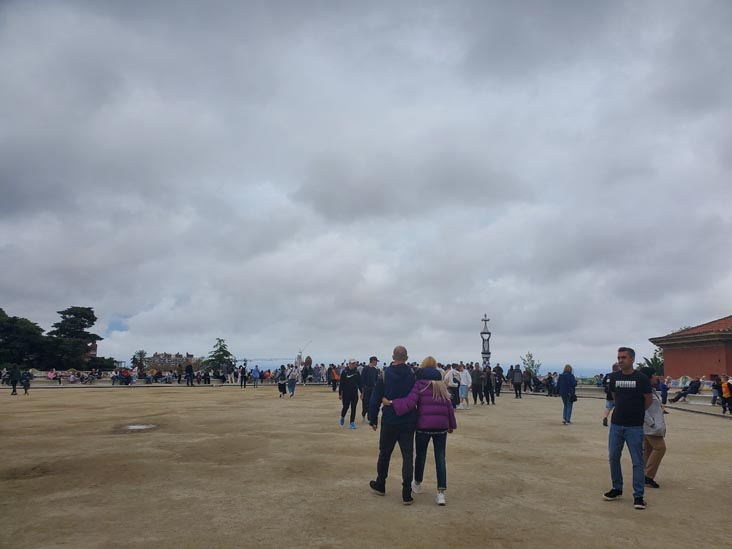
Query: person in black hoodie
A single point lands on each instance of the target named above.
(15, 378)
(349, 391)
(369, 375)
(397, 382)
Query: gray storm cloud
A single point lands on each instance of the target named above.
(365, 174)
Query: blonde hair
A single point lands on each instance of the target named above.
(439, 389)
(429, 362)
(567, 369)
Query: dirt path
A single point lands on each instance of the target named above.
(226, 467)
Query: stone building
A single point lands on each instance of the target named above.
(703, 350)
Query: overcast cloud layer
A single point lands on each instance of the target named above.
(366, 174)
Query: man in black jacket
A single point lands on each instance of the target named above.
(369, 375)
(397, 382)
(349, 390)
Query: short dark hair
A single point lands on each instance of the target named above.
(373, 359)
(628, 350)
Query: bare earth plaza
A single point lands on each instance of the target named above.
(225, 467)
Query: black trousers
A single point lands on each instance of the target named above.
(454, 395)
(350, 399)
(366, 399)
(477, 392)
(499, 383)
(388, 438)
(14, 383)
(490, 396)
(517, 389)
(527, 386)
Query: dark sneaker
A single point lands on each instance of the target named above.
(639, 503)
(612, 494)
(407, 498)
(378, 488)
(604, 422)
(652, 483)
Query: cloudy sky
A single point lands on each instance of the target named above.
(366, 174)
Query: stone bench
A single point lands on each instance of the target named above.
(699, 398)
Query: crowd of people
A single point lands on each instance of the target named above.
(417, 404)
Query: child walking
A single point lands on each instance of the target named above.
(435, 419)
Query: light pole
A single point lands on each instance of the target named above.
(485, 335)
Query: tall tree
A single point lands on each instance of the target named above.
(21, 341)
(220, 356)
(138, 359)
(71, 339)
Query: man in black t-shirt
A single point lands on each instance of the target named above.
(631, 392)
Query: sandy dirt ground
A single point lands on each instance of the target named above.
(226, 467)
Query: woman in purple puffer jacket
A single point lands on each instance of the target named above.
(435, 418)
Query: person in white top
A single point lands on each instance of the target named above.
(465, 382)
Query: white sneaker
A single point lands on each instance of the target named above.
(416, 487)
(459, 407)
(441, 498)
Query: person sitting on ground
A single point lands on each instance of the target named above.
(691, 389)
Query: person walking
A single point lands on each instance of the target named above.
(490, 386)
(725, 394)
(189, 375)
(255, 376)
(465, 382)
(609, 402)
(14, 378)
(452, 381)
(243, 376)
(517, 378)
(282, 381)
(435, 419)
(567, 384)
(369, 375)
(25, 381)
(477, 384)
(654, 431)
(179, 372)
(293, 374)
(527, 378)
(349, 392)
(631, 392)
(498, 372)
(397, 382)
(333, 377)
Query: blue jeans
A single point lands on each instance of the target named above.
(567, 413)
(291, 385)
(439, 442)
(633, 437)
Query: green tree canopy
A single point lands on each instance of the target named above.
(220, 356)
(138, 359)
(70, 339)
(655, 362)
(21, 341)
(74, 323)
